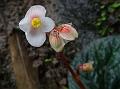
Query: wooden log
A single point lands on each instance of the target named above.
(26, 75)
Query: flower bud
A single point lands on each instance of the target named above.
(86, 67)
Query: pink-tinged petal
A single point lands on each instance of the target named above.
(24, 25)
(47, 24)
(36, 10)
(56, 42)
(36, 39)
(67, 32)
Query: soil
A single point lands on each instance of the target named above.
(51, 73)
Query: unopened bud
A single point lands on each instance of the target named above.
(86, 67)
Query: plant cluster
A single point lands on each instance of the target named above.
(108, 18)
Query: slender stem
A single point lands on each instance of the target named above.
(76, 77)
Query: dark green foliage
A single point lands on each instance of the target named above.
(108, 16)
(106, 56)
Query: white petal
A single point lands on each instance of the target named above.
(24, 25)
(36, 39)
(36, 10)
(47, 24)
(56, 42)
(68, 32)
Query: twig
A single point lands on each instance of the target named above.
(76, 77)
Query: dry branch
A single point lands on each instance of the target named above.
(26, 75)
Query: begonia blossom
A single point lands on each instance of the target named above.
(35, 25)
(61, 35)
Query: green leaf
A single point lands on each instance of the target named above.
(111, 10)
(48, 60)
(98, 24)
(102, 7)
(104, 31)
(105, 53)
(103, 13)
(103, 18)
(115, 5)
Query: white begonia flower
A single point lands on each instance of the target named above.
(35, 25)
(61, 35)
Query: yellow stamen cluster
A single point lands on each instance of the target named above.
(36, 22)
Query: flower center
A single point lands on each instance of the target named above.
(36, 22)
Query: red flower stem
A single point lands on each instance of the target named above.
(76, 77)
